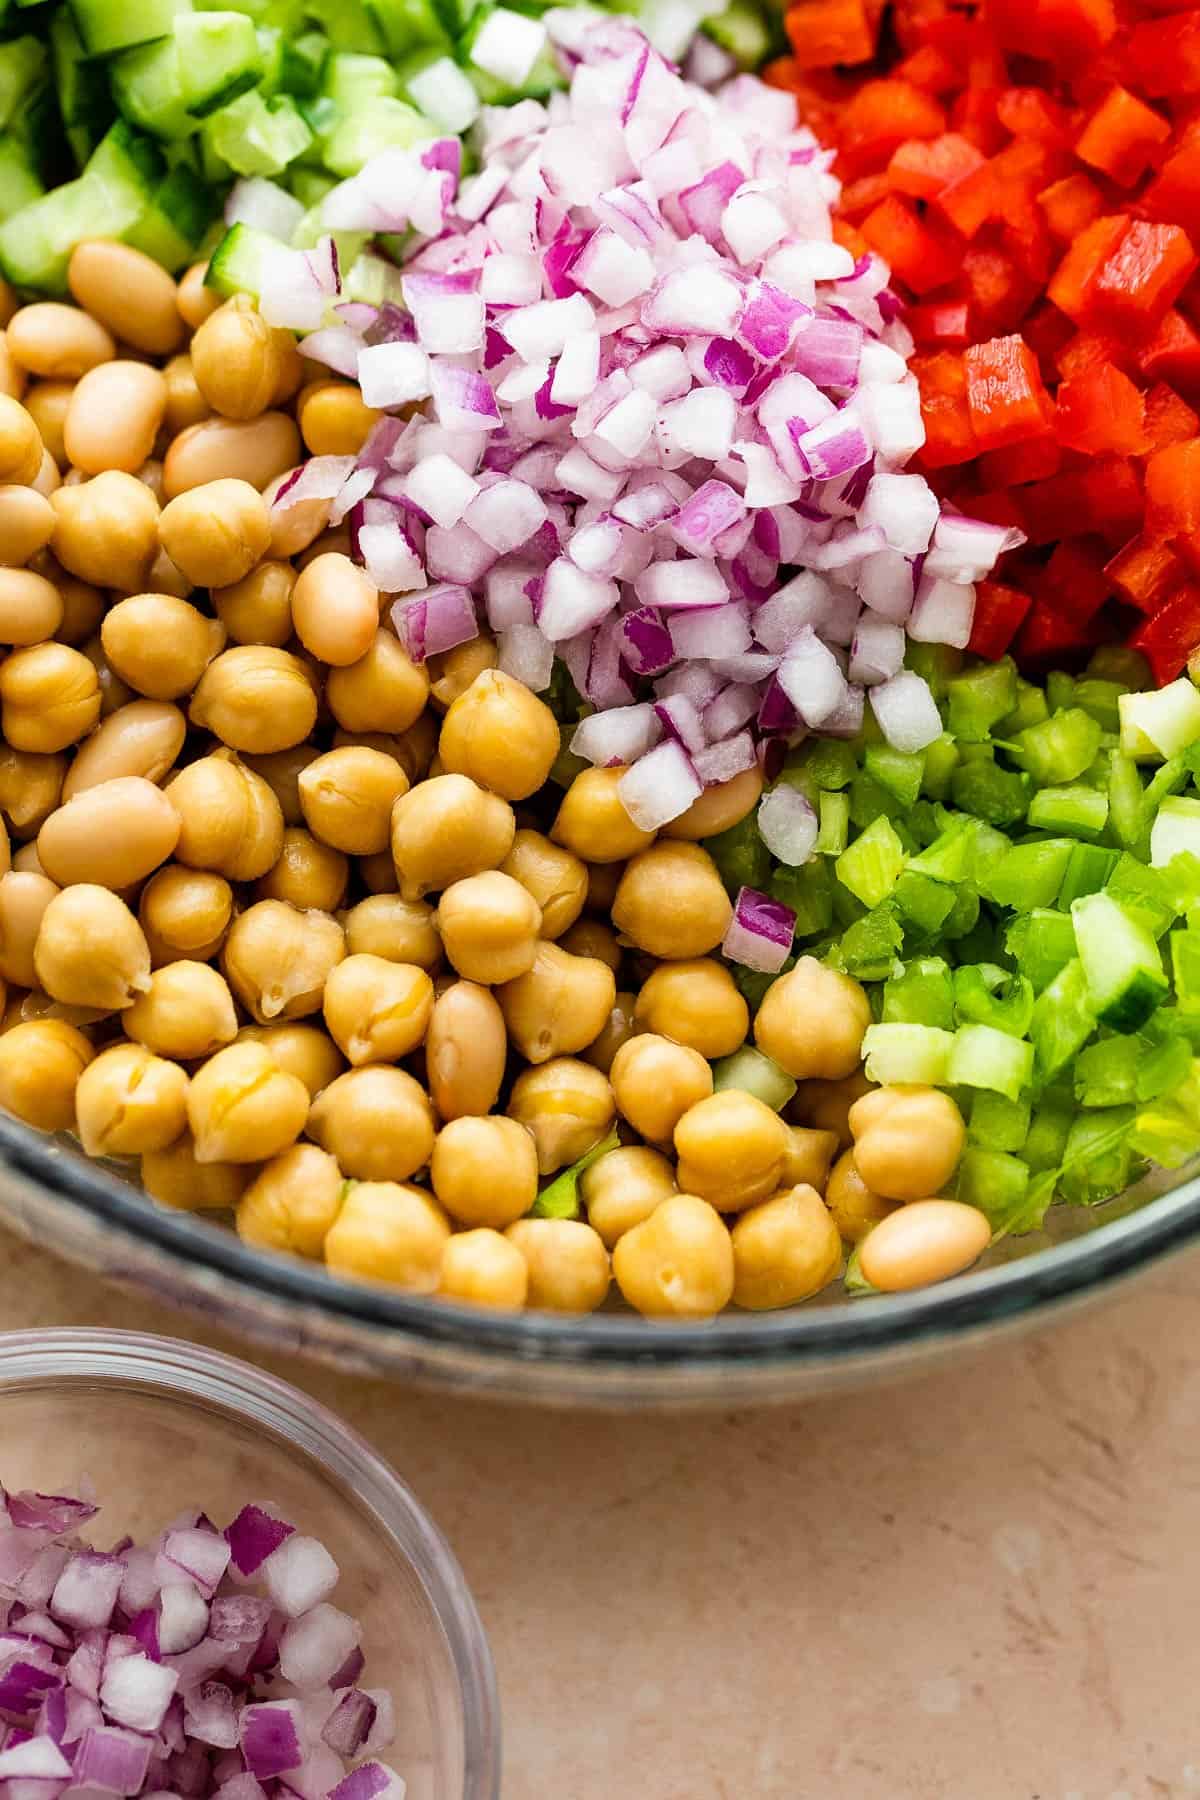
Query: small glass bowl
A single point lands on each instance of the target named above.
(158, 1426)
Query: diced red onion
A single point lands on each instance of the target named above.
(710, 632)
(787, 824)
(271, 1739)
(252, 1537)
(299, 1574)
(136, 1692)
(201, 1555)
(811, 678)
(906, 712)
(760, 932)
(112, 1760)
(86, 1591)
(370, 1781)
(660, 786)
(877, 652)
(942, 612)
(723, 761)
(349, 1724)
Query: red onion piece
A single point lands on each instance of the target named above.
(788, 825)
(760, 932)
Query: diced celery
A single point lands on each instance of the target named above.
(925, 903)
(834, 833)
(937, 664)
(752, 984)
(259, 137)
(1168, 719)
(1049, 1129)
(1029, 875)
(941, 759)
(1060, 690)
(743, 30)
(983, 1057)
(1168, 1130)
(854, 1281)
(749, 1071)
(921, 994)
(979, 699)
(1106, 1073)
(1088, 868)
(1030, 709)
(742, 858)
(1042, 943)
(1164, 1068)
(379, 124)
(1098, 1157)
(988, 846)
(948, 858)
(963, 916)
(1175, 829)
(808, 890)
(907, 1053)
(1116, 662)
(869, 948)
(1126, 803)
(1144, 891)
(986, 994)
(1185, 966)
(829, 763)
(1101, 699)
(896, 771)
(1172, 778)
(1181, 882)
(1058, 750)
(871, 866)
(1120, 959)
(1080, 811)
(984, 789)
(1063, 1020)
(561, 1199)
(992, 1182)
(997, 1122)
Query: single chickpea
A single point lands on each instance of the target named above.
(588, 937)
(334, 420)
(128, 292)
(83, 608)
(41, 1062)
(106, 530)
(186, 405)
(291, 367)
(810, 1158)
(403, 931)
(444, 830)
(26, 526)
(489, 927)
(376, 1121)
(481, 1268)
(281, 771)
(378, 873)
(391, 1232)
(128, 1102)
(854, 1208)
(678, 1263)
(25, 859)
(567, 1264)
(185, 914)
(231, 823)
(174, 1178)
(186, 1012)
(383, 691)
(377, 1011)
(451, 673)
(216, 532)
(926, 1241)
(236, 358)
(141, 739)
(90, 950)
(732, 1150)
(413, 749)
(672, 903)
(49, 698)
(556, 879)
(622, 1189)
(656, 1082)
(160, 645)
(114, 834)
(825, 1105)
(347, 796)
(299, 1049)
(253, 450)
(242, 1107)
(603, 881)
(48, 403)
(697, 1004)
(501, 735)
(258, 608)
(560, 1007)
(566, 1106)
(255, 699)
(812, 1020)
(466, 1049)
(784, 1250)
(594, 824)
(115, 415)
(57, 341)
(31, 607)
(621, 1026)
(13, 378)
(308, 873)
(292, 1203)
(484, 1170)
(278, 959)
(31, 786)
(195, 301)
(907, 1140)
(24, 897)
(335, 606)
(719, 807)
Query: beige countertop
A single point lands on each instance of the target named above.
(977, 1586)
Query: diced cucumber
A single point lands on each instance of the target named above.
(147, 84)
(351, 80)
(349, 23)
(22, 67)
(1121, 962)
(235, 265)
(742, 30)
(20, 182)
(271, 46)
(110, 196)
(173, 226)
(403, 23)
(256, 136)
(749, 1071)
(219, 58)
(983, 1057)
(304, 61)
(379, 124)
(438, 88)
(371, 278)
(1063, 1020)
(1176, 828)
(84, 99)
(105, 26)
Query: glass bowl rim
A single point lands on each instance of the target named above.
(1044, 1279)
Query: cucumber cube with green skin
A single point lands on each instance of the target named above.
(1121, 962)
(106, 26)
(742, 30)
(235, 265)
(256, 136)
(219, 58)
(174, 223)
(147, 84)
(1063, 1020)
(20, 183)
(405, 24)
(22, 68)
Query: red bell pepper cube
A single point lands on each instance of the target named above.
(999, 612)
(1173, 489)
(1168, 638)
(1087, 350)
(973, 113)
(1169, 418)
(1076, 274)
(1101, 412)
(880, 117)
(1172, 354)
(1071, 32)
(973, 199)
(930, 68)
(939, 324)
(1048, 638)
(1104, 497)
(923, 167)
(1122, 137)
(922, 255)
(864, 195)
(1164, 55)
(1145, 572)
(1143, 276)
(1034, 460)
(1074, 581)
(825, 33)
(1006, 396)
(1174, 194)
(1000, 293)
(1030, 113)
(949, 438)
(1071, 205)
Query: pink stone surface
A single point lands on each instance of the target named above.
(980, 1585)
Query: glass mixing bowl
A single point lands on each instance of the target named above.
(158, 1426)
(55, 1197)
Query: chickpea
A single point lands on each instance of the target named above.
(24, 897)
(621, 1026)
(186, 1012)
(8, 302)
(444, 830)
(376, 1121)
(160, 644)
(242, 1107)
(31, 786)
(140, 740)
(295, 524)
(195, 301)
(256, 451)
(907, 1140)
(281, 771)
(622, 1189)
(481, 1268)
(811, 1022)
(12, 375)
(21, 444)
(186, 405)
(732, 1150)
(48, 403)
(26, 526)
(335, 420)
(115, 415)
(90, 950)
(292, 1203)
(173, 1177)
(719, 807)
(278, 959)
(49, 698)
(656, 1082)
(301, 1050)
(83, 608)
(603, 881)
(258, 608)
(697, 1004)
(378, 873)
(128, 293)
(566, 1106)
(106, 530)
(185, 914)
(678, 1263)
(855, 1209)
(924, 1242)
(236, 359)
(489, 927)
(825, 1105)
(501, 735)
(672, 903)
(215, 533)
(593, 823)
(466, 1048)
(31, 607)
(25, 859)
(58, 341)
(375, 1010)
(560, 1006)
(413, 749)
(383, 691)
(308, 873)
(347, 796)
(403, 931)
(231, 822)
(451, 673)
(388, 1231)
(809, 1158)
(128, 1102)
(40, 1065)
(114, 834)
(784, 1251)
(556, 879)
(256, 699)
(335, 606)
(567, 1264)
(484, 1170)
(590, 938)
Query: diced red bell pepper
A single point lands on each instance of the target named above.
(999, 292)
(1034, 460)
(974, 114)
(1006, 396)
(1104, 497)
(880, 117)
(1048, 334)
(1069, 32)
(949, 438)
(850, 238)
(1145, 572)
(825, 33)
(1187, 549)
(1071, 205)
(1169, 418)
(999, 611)
(1122, 136)
(939, 324)
(1074, 581)
(1029, 112)
(1174, 194)
(930, 68)
(923, 255)
(1048, 638)
(1173, 489)
(1088, 350)
(1168, 638)
(1076, 275)
(1143, 276)
(923, 167)
(1173, 354)
(864, 195)
(973, 199)
(1100, 412)
(1164, 55)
